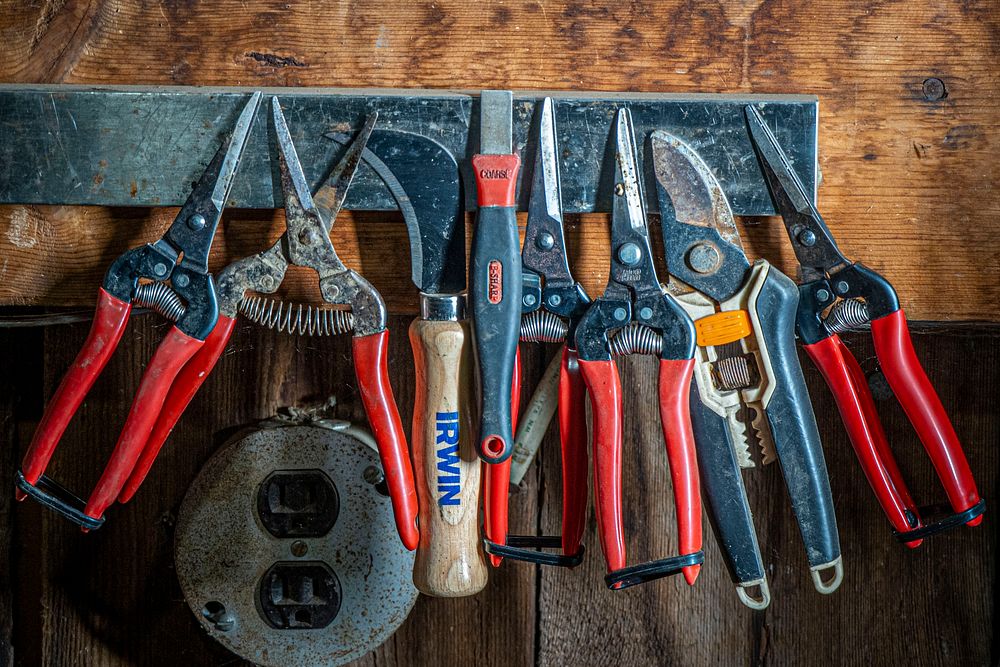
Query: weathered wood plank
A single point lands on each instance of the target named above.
(111, 597)
(931, 606)
(907, 175)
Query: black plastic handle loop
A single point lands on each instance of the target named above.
(55, 496)
(651, 571)
(522, 548)
(945, 524)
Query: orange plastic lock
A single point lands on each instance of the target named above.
(722, 328)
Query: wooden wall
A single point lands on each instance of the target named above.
(908, 188)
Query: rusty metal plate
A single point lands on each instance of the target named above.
(142, 146)
(293, 575)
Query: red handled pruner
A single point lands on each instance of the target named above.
(837, 295)
(306, 242)
(635, 316)
(552, 305)
(139, 277)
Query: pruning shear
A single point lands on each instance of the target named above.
(138, 278)
(306, 242)
(552, 305)
(635, 316)
(836, 295)
(744, 317)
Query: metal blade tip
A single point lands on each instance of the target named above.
(234, 151)
(546, 163)
(496, 132)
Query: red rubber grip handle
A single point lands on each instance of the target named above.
(573, 441)
(185, 386)
(921, 404)
(497, 484)
(496, 178)
(857, 410)
(675, 417)
(371, 367)
(110, 319)
(606, 403)
(174, 351)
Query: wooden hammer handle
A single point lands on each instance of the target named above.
(449, 559)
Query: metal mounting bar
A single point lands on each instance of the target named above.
(142, 146)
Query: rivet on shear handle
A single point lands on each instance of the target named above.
(180, 255)
(552, 304)
(853, 295)
(306, 242)
(635, 316)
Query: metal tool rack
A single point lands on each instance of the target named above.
(142, 146)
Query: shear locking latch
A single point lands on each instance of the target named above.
(651, 571)
(522, 547)
(50, 493)
(941, 525)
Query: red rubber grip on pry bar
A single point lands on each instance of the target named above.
(110, 319)
(606, 403)
(573, 441)
(496, 179)
(864, 428)
(921, 404)
(675, 418)
(185, 386)
(174, 351)
(496, 488)
(371, 368)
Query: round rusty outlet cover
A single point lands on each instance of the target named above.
(287, 552)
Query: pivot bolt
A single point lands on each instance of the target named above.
(529, 299)
(645, 313)
(807, 238)
(703, 258)
(267, 282)
(197, 222)
(546, 241)
(373, 475)
(620, 314)
(822, 295)
(842, 287)
(182, 280)
(216, 614)
(629, 254)
(555, 300)
(160, 269)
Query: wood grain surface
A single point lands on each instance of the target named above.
(111, 597)
(908, 168)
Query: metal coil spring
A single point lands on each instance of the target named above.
(304, 320)
(161, 298)
(541, 326)
(846, 315)
(732, 373)
(636, 339)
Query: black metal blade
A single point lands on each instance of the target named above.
(631, 257)
(700, 240)
(814, 245)
(544, 250)
(428, 175)
(194, 227)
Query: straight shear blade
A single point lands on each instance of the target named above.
(812, 241)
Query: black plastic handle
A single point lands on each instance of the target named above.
(793, 423)
(495, 299)
(725, 495)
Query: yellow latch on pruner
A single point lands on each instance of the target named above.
(722, 328)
